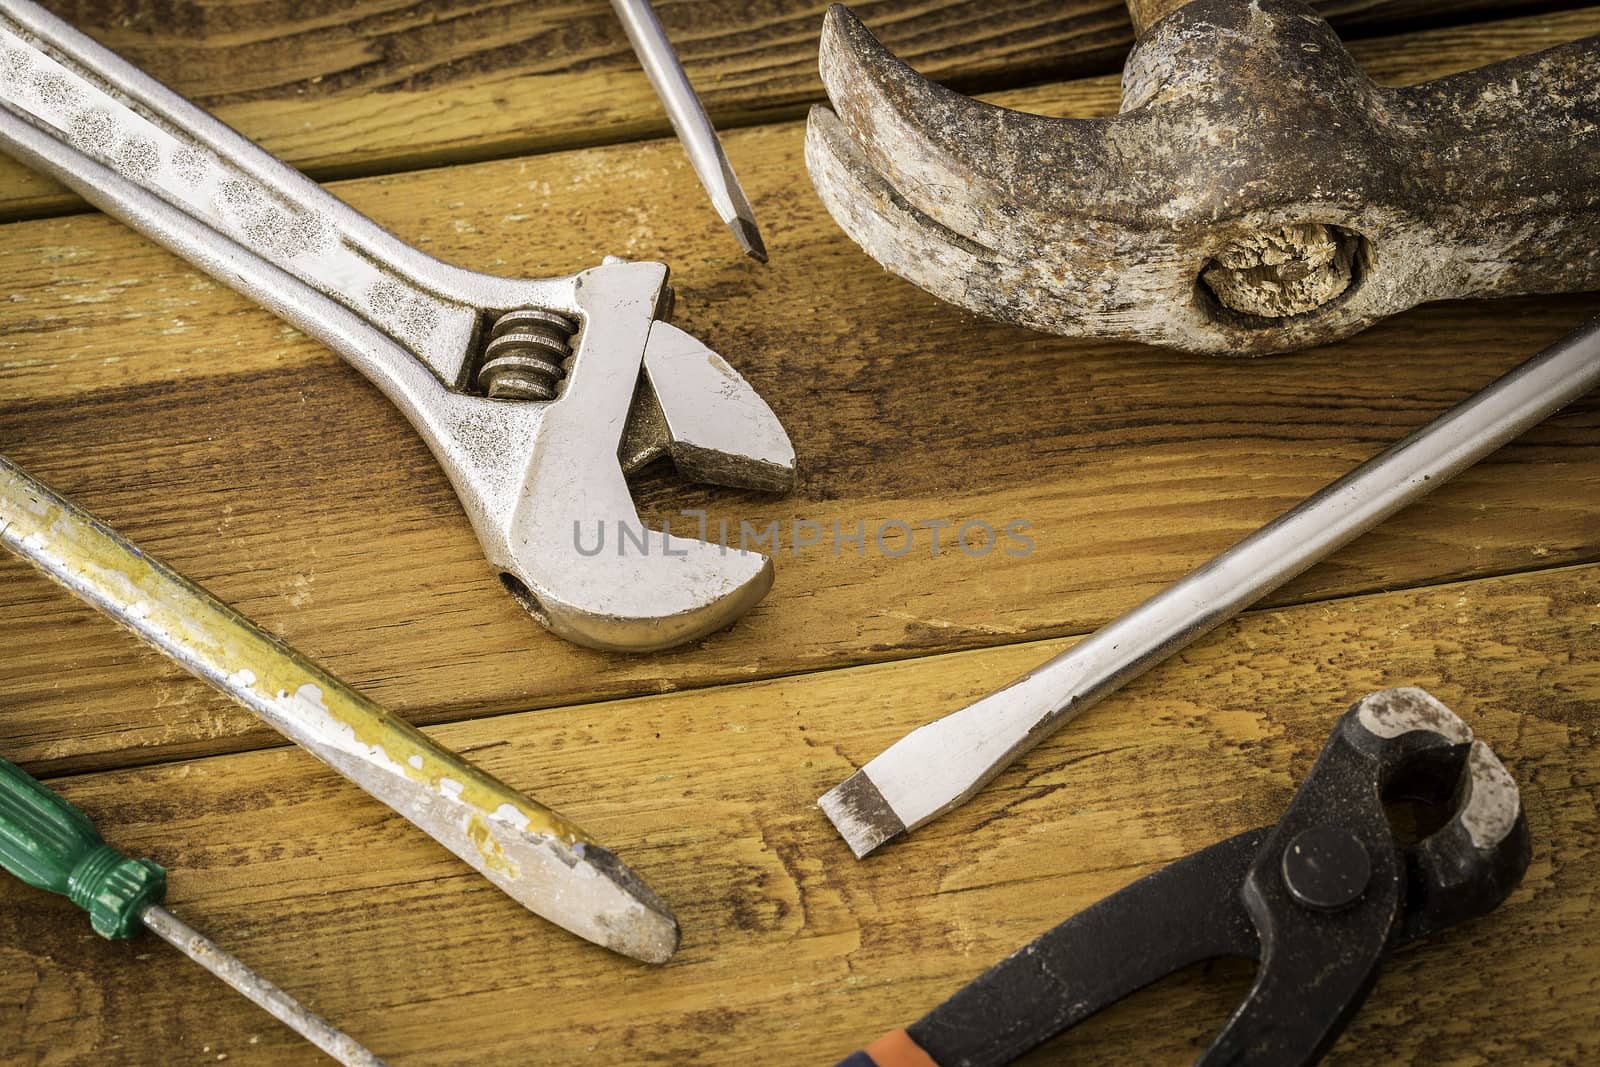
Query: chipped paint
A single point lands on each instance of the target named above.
(537, 856)
(1493, 801)
(1405, 709)
(494, 857)
(298, 697)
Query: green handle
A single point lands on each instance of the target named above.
(50, 844)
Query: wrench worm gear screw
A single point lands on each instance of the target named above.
(526, 356)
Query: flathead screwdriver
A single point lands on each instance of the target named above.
(50, 844)
(690, 122)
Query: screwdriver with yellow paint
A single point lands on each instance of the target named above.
(50, 844)
(542, 859)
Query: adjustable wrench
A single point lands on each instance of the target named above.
(536, 396)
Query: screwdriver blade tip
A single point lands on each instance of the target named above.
(860, 813)
(632, 919)
(749, 238)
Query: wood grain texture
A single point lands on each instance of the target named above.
(257, 462)
(1358, 14)
(373, 86)
(254, 461)
(369, 86)
(792, 947)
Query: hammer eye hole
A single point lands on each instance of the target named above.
(1277, 273)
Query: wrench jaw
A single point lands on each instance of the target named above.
(570, 547)
(611, 583)
(544, 481)
(577, 556)
(733, 439)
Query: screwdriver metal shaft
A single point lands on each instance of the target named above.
(50, 843)
(689, 119)
(941, 765)
(280, 1005)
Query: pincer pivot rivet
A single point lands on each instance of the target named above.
(1326, 868)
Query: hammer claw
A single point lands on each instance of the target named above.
(992, 175)
(953, 267)
(891, 229)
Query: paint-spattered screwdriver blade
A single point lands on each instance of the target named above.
(541, 859)
(49, 843)
(691, 123)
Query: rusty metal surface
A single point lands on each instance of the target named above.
(1257, 194)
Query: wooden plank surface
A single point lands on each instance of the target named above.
(368, 86)
(252, 459)
(372, 86)
(255, 461)
(792, 947)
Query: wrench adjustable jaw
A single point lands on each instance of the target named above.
(544, 482)
(1321, 900)
(1258, 192)
(535, 395)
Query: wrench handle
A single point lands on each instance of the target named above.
(141, 152)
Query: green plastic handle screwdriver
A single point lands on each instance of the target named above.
(52, 845)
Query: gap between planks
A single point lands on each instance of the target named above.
(41, 197)
(1044, 640)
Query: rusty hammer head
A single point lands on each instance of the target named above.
(1257, 193)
